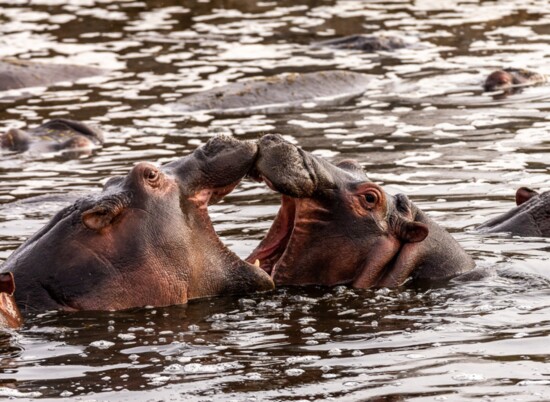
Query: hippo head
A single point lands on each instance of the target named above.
(498, 80)
(146, 239)
(336, 227)
(9, 313)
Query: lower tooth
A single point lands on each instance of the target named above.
(257, 263)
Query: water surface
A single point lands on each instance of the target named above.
(423, 128)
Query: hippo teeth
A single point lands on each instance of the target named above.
(257, 263)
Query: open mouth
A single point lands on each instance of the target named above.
(272, 248)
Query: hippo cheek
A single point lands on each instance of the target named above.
(324, 260)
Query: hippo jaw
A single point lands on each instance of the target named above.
(333, 227)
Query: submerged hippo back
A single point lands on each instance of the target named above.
(289, 90)
(16, 74)
(530, 218)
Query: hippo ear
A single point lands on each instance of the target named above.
(412, 232)
(7, 284)
(524, 194)
(100, 216)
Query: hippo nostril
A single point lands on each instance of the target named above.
(151, 174)
(275, 138)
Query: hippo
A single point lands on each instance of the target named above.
(280, 93)
(10, 317)
(368, 44)
(145, 240)
(54, 135)
(15, 74)
(531, 216)
(335, 226)
(510, 80)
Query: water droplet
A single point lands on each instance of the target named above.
(127, 337)
(521, 335)
(415, 356)
(294, 372)
(102, 344)
(468, 377)
(302, 359)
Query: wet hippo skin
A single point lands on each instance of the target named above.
(15, 74)
(336, 227)
(146, 239)
(531, 216)
(54, 135)
(278, 93)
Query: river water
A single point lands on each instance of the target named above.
(424, 128)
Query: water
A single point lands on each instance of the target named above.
(424, 128)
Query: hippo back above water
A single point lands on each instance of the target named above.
(278, 94)
(54, 135)
(367, 44)
(531, 216)
(15, 74)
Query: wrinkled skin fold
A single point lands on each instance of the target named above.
(146, 239)
(531, 216)
(336, 227)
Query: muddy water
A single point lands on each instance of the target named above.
(424, 128)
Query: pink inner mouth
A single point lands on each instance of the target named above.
(212, 195)
(203, 198)
(273, 246)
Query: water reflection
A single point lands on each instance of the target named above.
(425, 129)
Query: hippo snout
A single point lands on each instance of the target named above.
(270, 140)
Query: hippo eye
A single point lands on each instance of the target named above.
(371, 197)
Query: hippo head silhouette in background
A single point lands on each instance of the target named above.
(54, 135)
(146, 239)
(9, 313)
(336, 227)
(511, 80)
(530, 218)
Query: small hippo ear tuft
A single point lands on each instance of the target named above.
(7, 284)
(524, 194)
(99, 217)
(413, 232)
